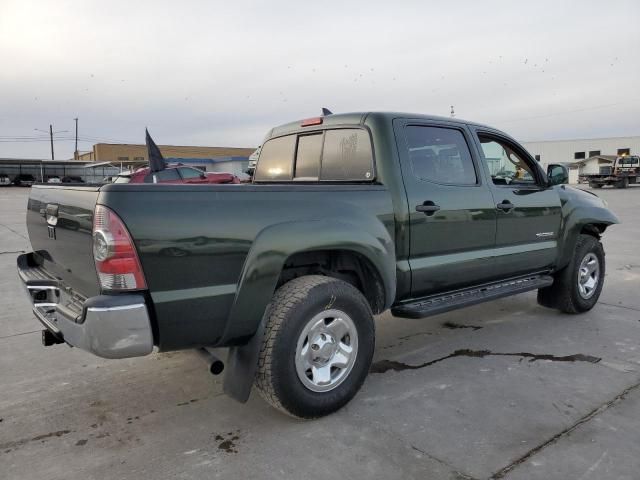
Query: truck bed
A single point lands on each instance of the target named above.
(193, 241)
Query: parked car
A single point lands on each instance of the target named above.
(24, 180)
(54, 180)
(348, 215)
(175, 174)
(72, 179)
(5, 181)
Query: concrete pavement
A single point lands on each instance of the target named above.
(506, 389)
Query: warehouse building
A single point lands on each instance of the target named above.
(583, 156)
(212, 159)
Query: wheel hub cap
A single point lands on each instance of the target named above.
(326, 350)
(588, 275)
(323, 348)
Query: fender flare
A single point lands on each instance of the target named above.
(263, 267)
(574, 221)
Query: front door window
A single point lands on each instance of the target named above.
(506, 166)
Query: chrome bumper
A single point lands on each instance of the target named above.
(109, 326)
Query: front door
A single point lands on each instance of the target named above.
(451, 209)
(528, 209)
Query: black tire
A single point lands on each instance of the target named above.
(623, 183)
(595, 185)
(293, 306)
(564, 294)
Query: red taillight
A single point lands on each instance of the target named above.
(115, 255)
(311, 121)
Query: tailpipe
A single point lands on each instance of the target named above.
(216, 366)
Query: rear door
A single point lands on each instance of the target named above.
(528, 211)
(451, 209)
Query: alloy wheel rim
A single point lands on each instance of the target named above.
(588, 275)
(326, 350)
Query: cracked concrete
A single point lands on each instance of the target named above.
(506, 390)
(382, 366)
(589, 416)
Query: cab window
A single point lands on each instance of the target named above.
(167, 175)
(276, 159)
(347, 155)
(440, 155)
(337, 155)
(190, 172)
(507, 165)
(308, 157)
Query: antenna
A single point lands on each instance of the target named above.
(326, 111)
(453, 113)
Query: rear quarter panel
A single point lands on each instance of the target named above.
(198, 244)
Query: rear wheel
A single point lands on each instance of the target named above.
(577, 287)
(595, 185)
(623, 183)
(317, 348)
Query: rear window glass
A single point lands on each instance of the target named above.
(168, 175)
(347, 155)
(276, 159)
(333, 155)
(308, 156)
(190, 173)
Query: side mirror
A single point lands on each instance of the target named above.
(203, 176)
(557, 174)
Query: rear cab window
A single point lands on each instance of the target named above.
(331, 155)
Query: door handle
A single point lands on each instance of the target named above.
(506, 206)
(428, 208)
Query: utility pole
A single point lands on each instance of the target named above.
(75, 152)
(50, 132)
(51, 138)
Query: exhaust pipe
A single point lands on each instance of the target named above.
(216, 366)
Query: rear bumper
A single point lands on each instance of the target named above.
(109, 326)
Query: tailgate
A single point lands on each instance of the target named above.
(60, 221)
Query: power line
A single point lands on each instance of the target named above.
(567, 112)
(51, 137)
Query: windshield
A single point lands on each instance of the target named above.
(122, 179)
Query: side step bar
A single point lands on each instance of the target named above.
(435, 304)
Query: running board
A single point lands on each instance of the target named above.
(435, 304)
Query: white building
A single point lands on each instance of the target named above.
(570, 151)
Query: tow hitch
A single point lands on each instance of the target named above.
(49, 338)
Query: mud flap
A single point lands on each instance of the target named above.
(242, 363)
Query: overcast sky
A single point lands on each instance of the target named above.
(221, 73)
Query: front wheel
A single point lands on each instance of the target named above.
(317, 347)
(577, 287)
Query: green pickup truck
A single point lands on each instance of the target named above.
(347, 216)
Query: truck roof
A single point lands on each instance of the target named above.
(358, 118)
